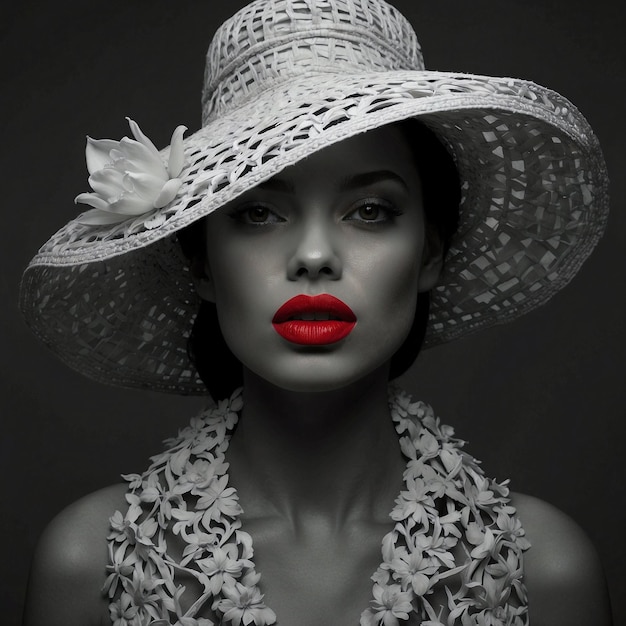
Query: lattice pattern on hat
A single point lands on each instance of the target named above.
(523, 245)
(239, 150)
(269, 42)
(116, 336)
(116, 303)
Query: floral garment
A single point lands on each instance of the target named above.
(447, 505)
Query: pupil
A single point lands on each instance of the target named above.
(369, 212)
(258, 214)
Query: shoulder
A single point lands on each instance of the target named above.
(68, 568)
(563, 574)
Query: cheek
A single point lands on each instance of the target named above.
(400, 302)
(242, 281)
(392, 270)
(389, 283)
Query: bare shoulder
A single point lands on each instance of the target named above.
(68, 568)
(563, 573)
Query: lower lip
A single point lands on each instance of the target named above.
(314, 333)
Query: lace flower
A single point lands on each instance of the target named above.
(129, 178)
(244, 605)
(223, 567)
(122, 611)
(218, 499)
(390, 605)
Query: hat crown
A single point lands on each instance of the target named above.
(271, 41)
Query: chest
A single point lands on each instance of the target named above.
(317, 576)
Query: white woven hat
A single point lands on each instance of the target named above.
(111, 294)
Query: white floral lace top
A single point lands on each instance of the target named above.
(447, 507)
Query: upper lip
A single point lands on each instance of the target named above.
(322, 306)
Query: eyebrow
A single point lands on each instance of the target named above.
(371, 178)
(348, 183)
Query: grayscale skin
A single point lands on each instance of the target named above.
(315, 458)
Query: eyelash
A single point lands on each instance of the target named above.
(389, 211)
(242, 215)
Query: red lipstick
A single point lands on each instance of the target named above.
(314, 320)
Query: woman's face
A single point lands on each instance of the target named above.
(346, 223)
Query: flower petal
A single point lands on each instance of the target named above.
(130, 204)
(176, 157)
(420, 583)
(97, 153)
(169, 190)
(118, 160)
(146, 185)
(92, 199)
(107, 182)
(144, 158)
(95, 217)
(139, 136)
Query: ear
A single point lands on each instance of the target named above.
(432, 260)
(202, 279)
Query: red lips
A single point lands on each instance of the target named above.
(314, 320)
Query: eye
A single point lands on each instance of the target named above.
(256, 214)
(373, 212)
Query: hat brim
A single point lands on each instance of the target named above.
(117, 303)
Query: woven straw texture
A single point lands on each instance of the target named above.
(285, 78)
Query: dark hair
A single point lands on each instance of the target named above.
(219, 368)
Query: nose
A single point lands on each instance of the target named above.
(315, 255)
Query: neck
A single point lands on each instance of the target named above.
(332, 454)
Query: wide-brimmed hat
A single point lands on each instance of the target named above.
(111, 292)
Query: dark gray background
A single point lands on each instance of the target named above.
(540, 400)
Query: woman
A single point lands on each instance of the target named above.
(311, 216)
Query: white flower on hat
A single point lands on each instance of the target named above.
(129, 178)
